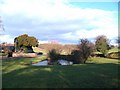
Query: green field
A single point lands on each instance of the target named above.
(96, 73)
(109, 51)
(114, 50)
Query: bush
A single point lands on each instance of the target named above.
(100, 55)
(27, 49)
(75, 56)
(10, 53)
(53, 56)
(65, 57)
(85, 49)
(39, 53)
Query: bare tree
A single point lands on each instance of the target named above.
(85, 49)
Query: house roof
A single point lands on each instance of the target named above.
(10, 45)
(6, 45)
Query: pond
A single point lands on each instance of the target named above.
(65, 62)
(45, 63)
(42, 63)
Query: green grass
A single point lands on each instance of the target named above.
(38, 59)
(96, 73)
(110, 51)
(24, 61)
(114, 50)
(2, 54)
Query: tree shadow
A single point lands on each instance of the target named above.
(89, 75)
(73, 76)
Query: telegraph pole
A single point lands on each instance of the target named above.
(1, 32)
(1, 25)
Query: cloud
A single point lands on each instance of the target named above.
(56, 19)
(42, 42)
(94, 0)
(6, 38)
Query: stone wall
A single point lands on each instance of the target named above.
(24, 54)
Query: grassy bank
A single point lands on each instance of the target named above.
(97, 72)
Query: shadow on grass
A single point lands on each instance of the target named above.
(74, 76)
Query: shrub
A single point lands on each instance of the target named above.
(85, 49)
(53, 56)
(75, 56)
(100, 55)
(10, 53)
(26, 49)
(39, 53)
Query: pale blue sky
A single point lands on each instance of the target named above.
(112, 6)
(60, 20)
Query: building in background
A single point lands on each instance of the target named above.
(53, 41)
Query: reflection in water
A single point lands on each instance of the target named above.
(61, 62)
(42, 63)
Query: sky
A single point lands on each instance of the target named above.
(66, 21)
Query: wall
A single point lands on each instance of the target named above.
(24, 54)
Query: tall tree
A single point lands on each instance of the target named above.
(25, 42)
(102, 44)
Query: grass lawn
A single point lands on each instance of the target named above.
(96, 73)
(114, 50)
(110, 51)
(2, 54)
